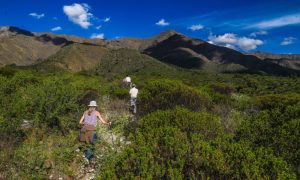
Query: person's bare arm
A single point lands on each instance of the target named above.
(81, 119)
(101, 119)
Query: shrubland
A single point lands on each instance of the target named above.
(190, 125)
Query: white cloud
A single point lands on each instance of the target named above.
(231, 46)
(288, 41)
(58, 28)
(196, 27)
(79, 14)
(233, 41)
(227, 38)
(106, 19)
(278, 22)
(162, 22)
(254, 34)
(97, 36)
(248, 43)
(36, 15)
(98, 27)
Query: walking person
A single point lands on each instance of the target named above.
(133, 96)
(127, 81)
(89, 120)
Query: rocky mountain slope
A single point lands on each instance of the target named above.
(291, 61)
(23, 48)
(266, 55)
(197, 54)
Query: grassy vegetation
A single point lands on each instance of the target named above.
(190, 124)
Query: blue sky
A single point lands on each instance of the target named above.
(263, 25)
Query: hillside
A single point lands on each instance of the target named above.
(90, 58)
(139, 43)
(22, 48)
(170, 51)
(287, 63)
(189, 124)
(266, 55)
(291, 61)
(75, 58)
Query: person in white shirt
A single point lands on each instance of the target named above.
(133, 95)
(127, 81)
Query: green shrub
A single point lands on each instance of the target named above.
(181, 144)
(277, 100)
(166, 94)
(198, 129)
(120, 93)
(222, 88)
(8, 71)
(277, 126)
(206, 124)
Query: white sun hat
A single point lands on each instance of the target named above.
(93, 104)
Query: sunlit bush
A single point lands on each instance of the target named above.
(166, 94)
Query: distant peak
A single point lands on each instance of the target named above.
(4, 28)
(169, 33)
(11, 30)
(165, 35)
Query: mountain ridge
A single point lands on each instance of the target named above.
(23, 48)
(268, 55)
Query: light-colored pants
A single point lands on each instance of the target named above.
(133, 103)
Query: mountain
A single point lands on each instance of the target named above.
(291, 61)
(191, 53)
(97, 59)
(22, 47)
(140, 43)
(74, 57)
(267, 55)
(63, 52)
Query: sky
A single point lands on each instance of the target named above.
(248, 26)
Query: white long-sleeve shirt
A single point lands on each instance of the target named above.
(133, 92)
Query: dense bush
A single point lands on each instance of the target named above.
(193, 125)
(277, 126)
(223, 89)
(50, 102)
(206, 124)
(180, 144)
(165, 94)
(280, 101)
(7, 71)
